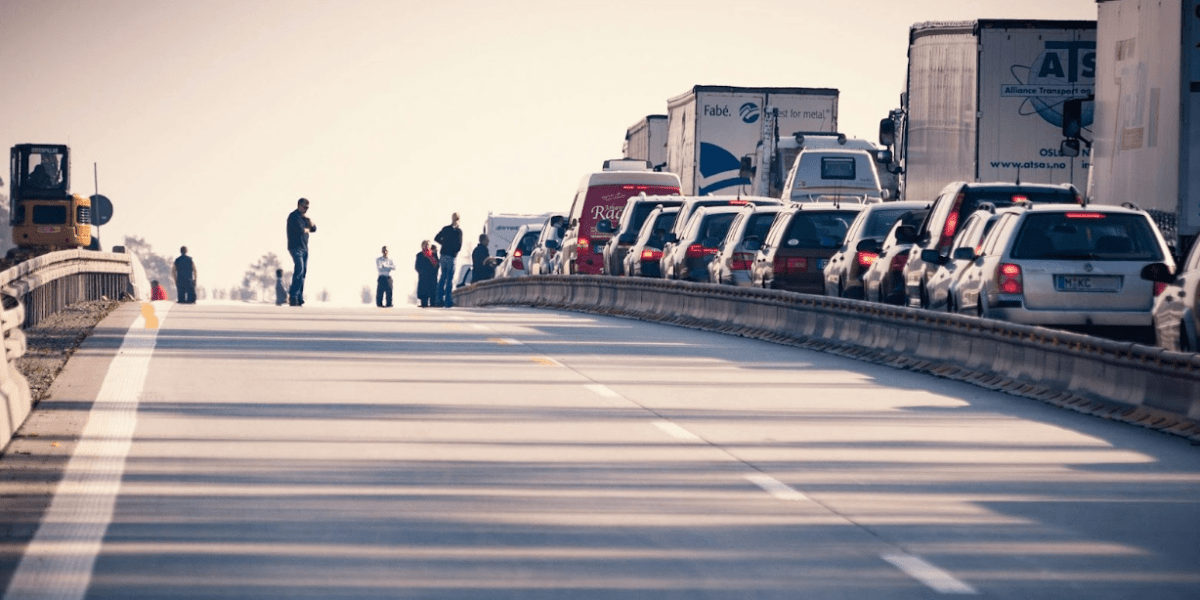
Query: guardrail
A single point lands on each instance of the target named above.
(42, 286)
(1144, 385)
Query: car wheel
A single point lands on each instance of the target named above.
(979, 307)
(1185, 342)
(841, 288)
(924, 297)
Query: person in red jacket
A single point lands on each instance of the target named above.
(156, 291)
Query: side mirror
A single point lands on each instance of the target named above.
(885, 195)
(552, 244)
(1069, 147)
(557, 221)
(933, 257)
(605, 226)
(711, 242)
(965, 253)
(1072, 124)
(906, 234)
(752, 244)
(1158, 273)
(887, 132)
(501, 253)
(746, 168)
(884, 156)
(869, 245)
(671, 238)
(627, 238)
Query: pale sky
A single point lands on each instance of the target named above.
(208, 119)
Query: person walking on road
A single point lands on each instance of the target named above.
(384, 286)
(483, 265)
(450, 237)
(427, 269)
(298, 228)
(184, 274)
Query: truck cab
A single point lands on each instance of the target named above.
(43, 213)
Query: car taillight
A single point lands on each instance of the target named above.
(741, 261)
(697, 251)
(517, 263)
(1008, 276)
(898, 262)
(1159, 287)
(651, 254)
(583, 243)
(951, 223)
(866, 259)
(1085, 215)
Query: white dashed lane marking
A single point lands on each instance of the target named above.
(675, 430)
(941, 581)
(775, 487)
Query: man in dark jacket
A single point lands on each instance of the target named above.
(483, 265)
(298, 226)
(184, 274)
(450, 237)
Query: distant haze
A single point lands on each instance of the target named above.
(208, 119)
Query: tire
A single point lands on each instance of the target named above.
(924, 297)
(1185, 342)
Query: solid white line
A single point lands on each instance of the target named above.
(602, 391)
(675, 430)
(941, 581)
(775, 487)
(59, 560)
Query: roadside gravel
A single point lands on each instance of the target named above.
(54, 340)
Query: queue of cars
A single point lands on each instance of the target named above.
(1025, 253)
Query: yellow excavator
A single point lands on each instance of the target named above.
(44, 214)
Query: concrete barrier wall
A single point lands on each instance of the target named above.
(1124, 381)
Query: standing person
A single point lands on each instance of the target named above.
(450, 237)
(298, 226)
(483, 266)
(384, 286)
(280, 291)
(427, 269)
(184, 274)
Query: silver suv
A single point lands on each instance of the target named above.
(1067, 266)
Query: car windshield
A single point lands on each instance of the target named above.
(810, 229)
(1087, 236)
(880, 222)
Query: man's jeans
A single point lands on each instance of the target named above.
(299, 270)
(445, 282)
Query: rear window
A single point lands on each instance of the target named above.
(663, 221)
(811, 229)
(1087, 236)
(640, 211)
(838, 167)
(715, 227)
(758, 225)
(880, 222)
(49, 215)
(1004, 199)
(527, 241)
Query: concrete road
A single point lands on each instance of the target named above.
(242, 451)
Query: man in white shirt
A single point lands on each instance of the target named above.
(384, 287)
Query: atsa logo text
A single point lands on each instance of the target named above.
(748, 112)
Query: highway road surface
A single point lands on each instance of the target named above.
(253, 451)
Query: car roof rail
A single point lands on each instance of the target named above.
(1131, 206)
(988, 206)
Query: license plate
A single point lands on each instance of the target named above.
(1087, 283)
(822, 263)
(47, 230)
